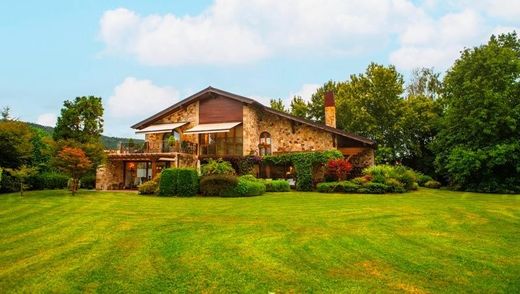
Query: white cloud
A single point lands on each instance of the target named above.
(47, 119)
(234, 31)
(438, 42)
(135, 98)
(305, 91)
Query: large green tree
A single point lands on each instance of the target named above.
(81, 120)
(15, 143)
(420, 121)
(80, 126)
(316, 106)
(478, 146)
(371, 104)
(277, 104)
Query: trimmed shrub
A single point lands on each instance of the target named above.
(349, 187)
(48, 180)
(373, 188)
(277, 186)
(361, 180)
(147, 188)
(187, 182)
(168, 182)
(217, 185)
(326, 187)
(246, 188)
(217, 167)
(432, 184)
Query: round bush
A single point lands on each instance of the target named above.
(217, 185)
(245, 188)
(147, 188)
(187, 182)
(168, 182)
(432, 184)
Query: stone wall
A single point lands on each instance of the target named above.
(188, 114)
(109, 175)
(286, 135)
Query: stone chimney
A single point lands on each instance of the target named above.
(330, 110)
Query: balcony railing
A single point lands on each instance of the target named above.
(158, 147)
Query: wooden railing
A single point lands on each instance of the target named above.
(158, 147)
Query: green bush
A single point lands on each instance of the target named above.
(48, 180)
(246, 187)
(422, 179)
(9, 183)
(373, 188)
(349, 187)
(394, 186)
(147, 188)
(217, 167)
(187, 182)
(217, 185)
(168, 182)
(277, 186)
(432, 184)
(327, 187)
(88, 182)
(381, 173)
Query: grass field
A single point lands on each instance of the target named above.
(425, 241)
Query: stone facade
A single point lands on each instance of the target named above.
(330, 116)
(286, 135)
(109, 175)
(188, 114)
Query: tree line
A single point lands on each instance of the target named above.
(75, 148)
(462, 126)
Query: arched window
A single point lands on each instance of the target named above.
(265, 144)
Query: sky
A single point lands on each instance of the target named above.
(143, 56)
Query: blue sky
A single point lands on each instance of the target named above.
(142, 56)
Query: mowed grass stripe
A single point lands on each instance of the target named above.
(425, 241)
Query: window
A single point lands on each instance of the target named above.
(265, 144)
(166, 145)
(221, 144)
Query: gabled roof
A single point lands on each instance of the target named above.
(245, 100)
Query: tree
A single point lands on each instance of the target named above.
(371, 104)
(42, 149)
(277, 104)
(15, 143)
(73, 162)
(81, 120)
(80, 126)
(21, 175)
(299, 107)
(6, 113)
(478, 146)
(420, 121)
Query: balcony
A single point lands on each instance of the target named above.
(157, 147)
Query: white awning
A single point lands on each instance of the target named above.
(160, 128)
(212, 128)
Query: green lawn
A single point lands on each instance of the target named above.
(425, 241)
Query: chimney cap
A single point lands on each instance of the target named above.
(329, 99)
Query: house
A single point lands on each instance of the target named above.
(218, 124)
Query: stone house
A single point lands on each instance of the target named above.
(218, 124)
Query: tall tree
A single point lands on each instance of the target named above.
(15, 143)
(371, 104)
(478, 147)
(80, 126)
(81, 120)
(299, 107)
(420, 121)
(277, 104)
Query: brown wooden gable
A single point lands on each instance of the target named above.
(219, 109)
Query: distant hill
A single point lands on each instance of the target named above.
(108, 142)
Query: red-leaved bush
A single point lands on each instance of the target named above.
(339, 168)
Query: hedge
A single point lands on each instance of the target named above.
(187, 182)
(246, 188)
(277, 186)
(48, 180)
(168, 182)
(217, 185)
